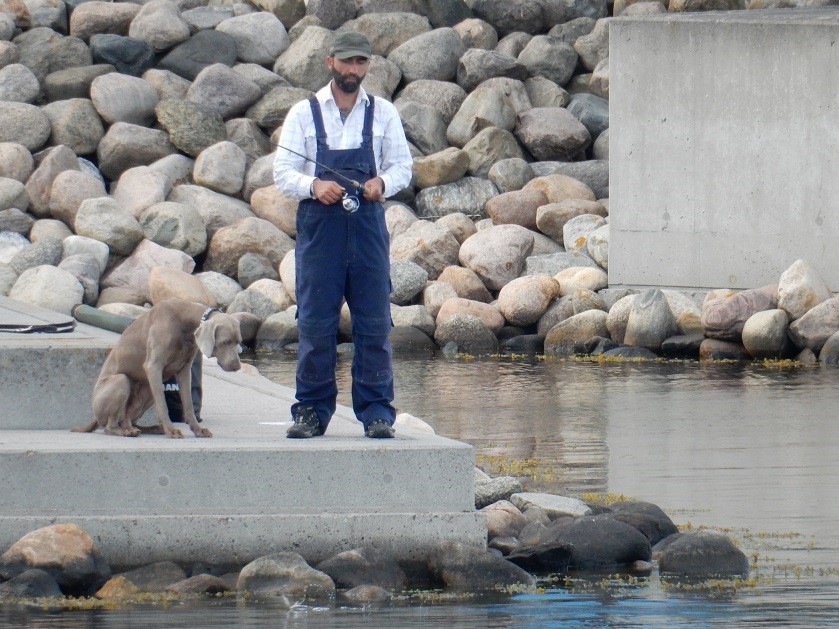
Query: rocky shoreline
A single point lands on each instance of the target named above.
(532, 538)
(135, 166)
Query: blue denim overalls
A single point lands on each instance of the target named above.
(344, 255)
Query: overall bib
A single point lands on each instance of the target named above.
(342, 255)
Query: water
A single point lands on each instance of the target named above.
(750, 449)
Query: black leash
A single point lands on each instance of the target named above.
(44, 328)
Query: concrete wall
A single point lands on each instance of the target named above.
(724, 147)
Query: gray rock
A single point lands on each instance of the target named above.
(427, 244)
(177, 167)
(549, 58)
(43, 50)
(167, 84)
(18, 84)
(407, 280)
(126, 54)
(445, 97)
(261, 175)
(204, 18)
(594, 173)
(433, 55)
(486, 106)
(221, 167)
(818, 324)
(46, 251)
(467, 569)
(331, 13)
(75, 124)
(592, 111)
(122, 98)
(477, 33)
(48, 287)
(489, 146)
(715, 349)
(365, 566)
(176, 226)
(765, 334)
(601, 542)
(468, 333)
(191, 126)
(11, 243)
(90, 18)
(416, 316)
(553, 506)
(285, 576)
(301, 64)
(222, 287)
(800, 288)
(49, 228)
(597, 246)
(650, 321)
(155, 577)
(829, 354)
(85, 268)
(30, 584)
(160, 25)
(573, 29)
(15, 221)
(560, 339)
(497, 254)
(13, 195)
(251, 234)
(102, 219)
(220, 90)
(424, 126)
(468, 196)
(447, 12)
(576, 230)
(543, 92)
(255, 266)
(594, 46)
(510, 16)
(126, 146)
(260, 37)
(600, 148)
(75, 245)
(552, 133)
(216, 210)
(648, 518)
(599, 83)
(278, 330)
(553, 263)
(495, 489)
(388, 30)
(263, 77)
(200, 51)
(39, 184)
(270, 111)
(477, 65)
(510, 174)
(24, 124)
(703, 555)
(69, 189)
(16, 161)
(513, 43)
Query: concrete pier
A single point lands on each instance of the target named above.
(723, 135)
(246, 492)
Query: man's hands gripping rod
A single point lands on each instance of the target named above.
(329, 192)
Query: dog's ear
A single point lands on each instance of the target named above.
(205, 338)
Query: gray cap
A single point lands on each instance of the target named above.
(348, 44)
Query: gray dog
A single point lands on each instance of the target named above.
(160, 344)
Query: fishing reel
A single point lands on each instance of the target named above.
(350, 203)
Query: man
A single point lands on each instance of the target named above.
(343, 252)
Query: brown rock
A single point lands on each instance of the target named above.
(167, 283)
(518, 207)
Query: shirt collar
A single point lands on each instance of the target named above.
(324, 95)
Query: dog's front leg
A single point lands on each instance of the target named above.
(154, 373)
(184, 380)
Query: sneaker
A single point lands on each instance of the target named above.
(379, 429)
(306, 424)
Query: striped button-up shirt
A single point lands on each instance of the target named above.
(294, 175)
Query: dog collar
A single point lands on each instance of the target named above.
(207, 314)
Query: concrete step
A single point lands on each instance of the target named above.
(245, 492)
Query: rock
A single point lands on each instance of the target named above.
(176, 226)
(496, 489)
(253, 267)
(446, 166)
(599, 83)
(510, 17)
(74, 245)
(594, 46)
(650, 321)
(648, 518)
(547, 57)
(407, 281)
(600, 148)
(435, 295)
(221, 90)
(445, 97)
(542, 558)
(217, 210)
(247, 135)
(271, 205)
(118, 589)
(285, 576)
(260, 37)
(463, 568)
(466, 283)
(155, 577)
(122, 98)
(477, 65)
(16, 161)
(487, 313)
(14, 220)
(47, 228)
(705, 5)
(85, 268)
(447, 12)
(133, 272)
(221, 167)
(104, 220)
(424, 126)
(552, 133)
(160, 25)
(683, 345)
(524, 300)
(13, 195)
(30, 584)
(715, 349)
(125, 54)
(416, 316)
(200, 584)
(202, 18)
(703, 555)
(45, 252)
(139, 188)
(576, 230)
(487, 106)
(364, 566)
(198, 52)
(467, 196)
(278, 330)
(592, 111)
(503, 519)
(251, 234)
(270, 111)
(126, 146)
(366, 595)
(723, 317)
(553, 506)
(560, 339)
(167, 84)
(497, 254)
(64, 551)
(829, 354)
(18, 84)
(490, 145)
(800, 288)
(39, 184)
(75, 124)
(601, 542)
(224, 289)
(90, 18)
(433, 55)
(302, 63)
(191, 126)
(458, 224)
(263, 77)
(576, 278)
(812, 329)
(765, 334)
(168, 283)
(24, 124)
(554, 263)
(427, 244)
(597, 245)
(468, 333)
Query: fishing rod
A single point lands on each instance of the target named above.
(355, 184)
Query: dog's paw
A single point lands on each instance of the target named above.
(174, 433)
(202, 432)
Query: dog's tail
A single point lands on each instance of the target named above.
(86, 427)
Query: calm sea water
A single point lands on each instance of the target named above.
(749, 449)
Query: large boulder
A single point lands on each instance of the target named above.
(251, 234)
(497, 254)
(650, 321)
(103, 219)
(427, 244)
(48, 287)
(364, 566)
(433, 55)
(461, 568)
(800, 288)
(702, 555)
(601, 542)
(561, 338)
(724, 316)
(285, 576)
(525, 299)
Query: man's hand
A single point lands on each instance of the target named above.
(374, 189)
(327, 192)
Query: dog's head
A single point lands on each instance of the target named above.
(220, 336)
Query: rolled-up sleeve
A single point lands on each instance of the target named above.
(292, 173)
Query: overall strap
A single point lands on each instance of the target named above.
(317, 118)
(367, 133)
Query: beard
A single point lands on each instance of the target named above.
(347, 83)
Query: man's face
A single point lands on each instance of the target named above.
(348, 73)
